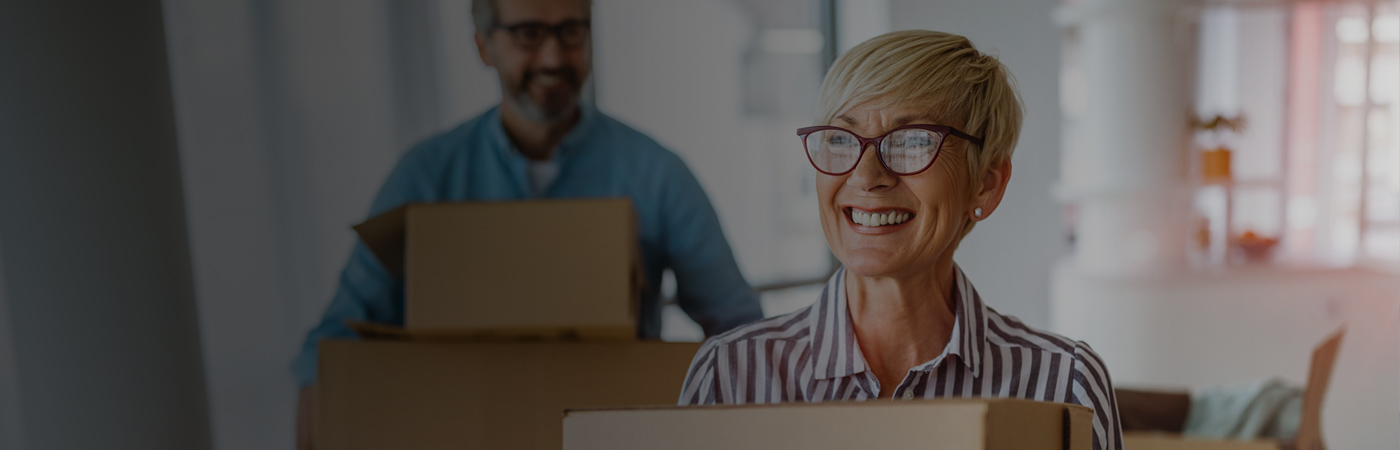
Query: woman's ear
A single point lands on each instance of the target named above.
(991, 189)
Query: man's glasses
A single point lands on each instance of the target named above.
(907, 150)
(531, 35)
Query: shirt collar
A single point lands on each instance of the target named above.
(836, 353)
(588, 120)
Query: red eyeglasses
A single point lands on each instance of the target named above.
(907, 150)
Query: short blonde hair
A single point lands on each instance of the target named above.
(939, 71)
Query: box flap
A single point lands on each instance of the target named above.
(1079, 428)
(1319, 376)
(384, 235)
(368, 330)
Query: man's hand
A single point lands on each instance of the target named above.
(306, 418)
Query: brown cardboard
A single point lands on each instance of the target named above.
(1153, 410)
(1319, 377)
(514, 268)
(945, 424)
(379, 394)
(1309, 437)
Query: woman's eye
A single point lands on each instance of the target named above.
(839, 140)
(915, 142)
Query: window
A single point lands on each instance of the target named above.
(1344, 208)
(1316, 164)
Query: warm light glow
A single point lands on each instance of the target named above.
(1386, 28)
(1352, 30)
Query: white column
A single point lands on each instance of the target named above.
(1129, 178)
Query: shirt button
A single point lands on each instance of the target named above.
(908, 394)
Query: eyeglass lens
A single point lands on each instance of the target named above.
(904, 151)
(530, 35)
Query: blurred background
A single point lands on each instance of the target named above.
(1203, 190)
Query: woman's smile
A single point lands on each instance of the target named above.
(877, 220)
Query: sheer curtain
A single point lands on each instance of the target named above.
(290, 115)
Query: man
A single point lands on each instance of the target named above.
(542, 142)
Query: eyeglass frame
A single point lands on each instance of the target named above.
(556, 30)
(942, 130)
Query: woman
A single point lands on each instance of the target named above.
(915, 150)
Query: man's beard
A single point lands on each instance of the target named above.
(555, 106)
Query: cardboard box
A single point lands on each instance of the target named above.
(944, 424)
(1309, 437)
(538, 268)
(378, 394)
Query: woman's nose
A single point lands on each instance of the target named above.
(869, 174)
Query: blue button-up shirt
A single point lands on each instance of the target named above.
(600, 157)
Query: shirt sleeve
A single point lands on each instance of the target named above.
(710, 287)
(1093, 388)
(367, 292)
(700, 382)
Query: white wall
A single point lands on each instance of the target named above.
(1009, 256)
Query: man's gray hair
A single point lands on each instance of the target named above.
(484, 14)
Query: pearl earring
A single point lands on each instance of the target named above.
(977, 212)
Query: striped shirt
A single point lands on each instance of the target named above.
(811, 355)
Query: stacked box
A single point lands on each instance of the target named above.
(480, 278)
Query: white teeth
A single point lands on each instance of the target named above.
(875, 220)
